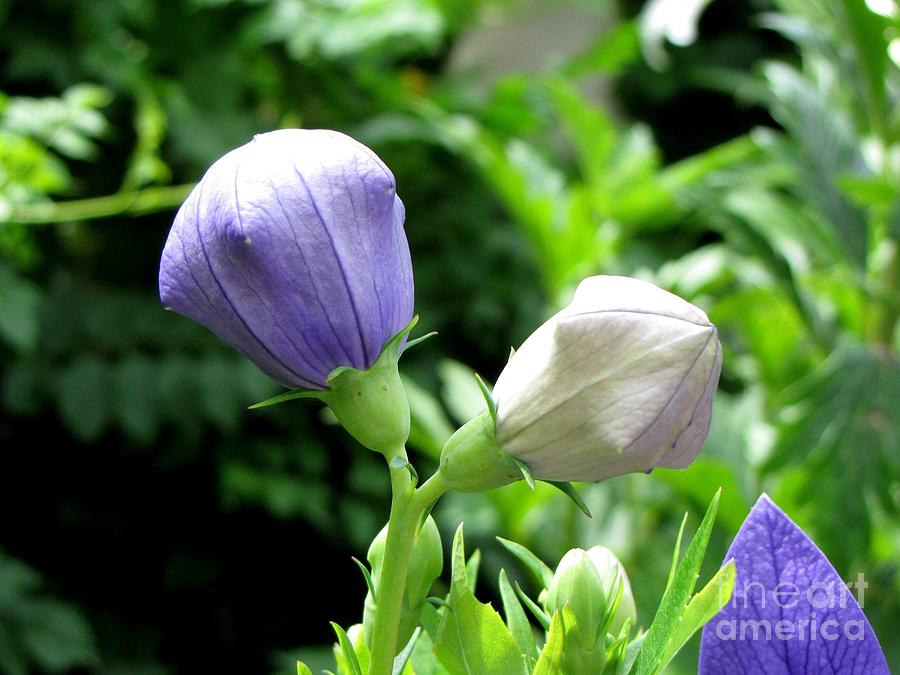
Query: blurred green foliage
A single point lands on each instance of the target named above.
(155, 525)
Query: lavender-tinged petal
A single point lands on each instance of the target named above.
(785, 583)
(292, 250)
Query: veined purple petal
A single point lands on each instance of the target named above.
(791, 614)
(292, 250)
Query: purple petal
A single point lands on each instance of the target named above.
(292, 250)
(791, 613)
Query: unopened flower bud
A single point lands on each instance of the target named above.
(621, 380)
(291, 249)
(425, 566)
(577, 584)
(588, 582)
(613, 576)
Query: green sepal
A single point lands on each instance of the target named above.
(288, 396)
(372, 405)
(303, 669)
(535, 565)
(569, 491)
(368, 577)
(347, 650)
(526, 472)
(393, 346)
(415, 341)
(472, 461)
(488, 398)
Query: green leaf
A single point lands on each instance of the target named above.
(518, 623)
(19, 318)
(534, 608)
(535, 565)
(472, 566)
(866, 33)
(348, 663)
(368, 577)
(702, 607)
(401, 661)
(676, 598)
(303, 669)
(472, 638)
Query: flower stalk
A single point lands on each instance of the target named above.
(409, 507)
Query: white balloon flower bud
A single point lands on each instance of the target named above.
(621, 380)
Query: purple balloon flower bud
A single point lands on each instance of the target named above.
(790, 613)
(292, 250)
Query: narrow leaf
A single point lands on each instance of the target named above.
(702, 607)
(675, 599)
(368, 577)
(401, 658)
(518, 623)
(472, 638)
(350, 661)
(535, 565)
(533, 607)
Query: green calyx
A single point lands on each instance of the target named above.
(371, 404)
(472, 461)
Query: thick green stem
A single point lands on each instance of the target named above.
(408, 506)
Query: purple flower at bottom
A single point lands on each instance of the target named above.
(791, 614)
(291, 249)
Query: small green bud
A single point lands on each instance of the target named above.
(577, 584)
(371, 404)
(426, 563)
(588, 582)
(612, 574)
(425, 566)
(472, 461)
